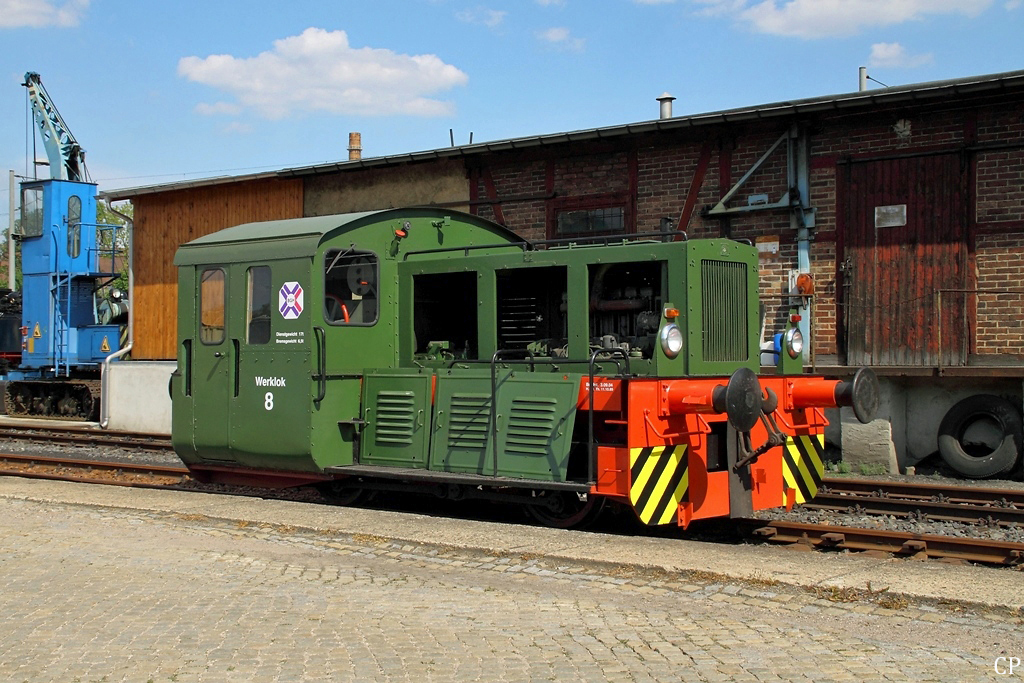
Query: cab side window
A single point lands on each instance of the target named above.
(211, 306)
(258, 314)
(350, 287)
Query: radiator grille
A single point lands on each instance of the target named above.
(724, 310)
(396, 416)
(469, 419)
(531, 424)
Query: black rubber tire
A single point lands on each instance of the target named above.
(980, 461)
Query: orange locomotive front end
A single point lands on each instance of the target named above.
(702, 448)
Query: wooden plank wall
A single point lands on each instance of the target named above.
(167, 219)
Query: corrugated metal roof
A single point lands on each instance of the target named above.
(916, 93)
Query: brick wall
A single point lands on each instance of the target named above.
(664, 168)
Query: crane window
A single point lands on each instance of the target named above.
(258, 315)
(350, 287)
(32, 212)
(211, 306)
(74, 226)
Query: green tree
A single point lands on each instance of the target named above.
(115, 242)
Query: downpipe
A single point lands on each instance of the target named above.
(104, 388)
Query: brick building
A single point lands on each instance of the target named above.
(905, 205)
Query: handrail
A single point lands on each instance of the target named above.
(525, 246)
(617, 237)
(591, 443)
(494, 396)
(501, 355)
(320, 335)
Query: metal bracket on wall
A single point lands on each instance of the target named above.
(796, 197)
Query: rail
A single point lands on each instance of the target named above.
(898, 543)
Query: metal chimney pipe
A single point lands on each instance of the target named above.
(863, 73)
(666, 105)
(355, 146)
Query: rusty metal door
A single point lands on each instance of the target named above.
(903, 238)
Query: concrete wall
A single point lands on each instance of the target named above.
(137, 398)
(441, 182)
(913, 408)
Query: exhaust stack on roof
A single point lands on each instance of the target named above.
(666, 105)
(355, 146)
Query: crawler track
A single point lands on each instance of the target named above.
(995, 507)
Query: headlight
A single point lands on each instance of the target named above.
(671, 340)
(794, 342)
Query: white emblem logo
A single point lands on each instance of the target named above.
(290, 300)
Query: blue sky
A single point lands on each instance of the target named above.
(164, 92)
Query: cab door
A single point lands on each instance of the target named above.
(212, 363)
(270, 343)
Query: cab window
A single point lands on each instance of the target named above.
(211, 306)
(258, 314)
(350, 287)
(445, 316)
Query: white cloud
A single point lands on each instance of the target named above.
(238, 128)
(218, 108)
(562, 38)
(1013, 4)
(894, 55)
(482, 15)
(319, 71)
(654, 2)
(41, 13)
(821, 18)
(548, 3)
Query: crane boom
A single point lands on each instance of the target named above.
(67, 158)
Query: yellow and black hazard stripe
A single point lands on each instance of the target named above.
(658, 481)
(803, 465)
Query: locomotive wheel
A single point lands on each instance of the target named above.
(566, 510)
(338, 493)
(981, 436)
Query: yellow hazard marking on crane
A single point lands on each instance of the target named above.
(105, 346)
(36, 333)
(802, 465)
(658, 482)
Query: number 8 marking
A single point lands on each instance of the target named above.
(268, 401)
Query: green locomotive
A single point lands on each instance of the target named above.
(423, 348)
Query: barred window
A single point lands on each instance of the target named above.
(591, 221)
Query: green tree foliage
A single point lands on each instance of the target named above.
(115, 240)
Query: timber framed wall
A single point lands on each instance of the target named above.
(165, 220)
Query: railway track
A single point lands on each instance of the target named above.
(932, 502)
(819, 536)
(85, 437)
(899, 543)
(91, 471)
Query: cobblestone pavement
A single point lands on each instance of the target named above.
(97, 594)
